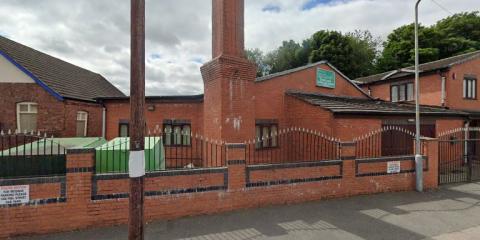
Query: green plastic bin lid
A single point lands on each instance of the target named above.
(54, 145)
(123, 143)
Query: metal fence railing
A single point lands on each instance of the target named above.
(30, 155)
(292, 145)
(385, 142)
(184, 151)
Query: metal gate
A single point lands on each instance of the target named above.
(459, 155)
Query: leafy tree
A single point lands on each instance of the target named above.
(285, 57)
(365, 52)
(459, 33)
(257, 57)
(353, 53)
(333, 47)
(451, 36)
(399, 48)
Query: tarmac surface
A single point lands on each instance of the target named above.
(452, 212)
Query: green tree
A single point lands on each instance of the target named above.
(399, 48)
(451, 36)
(459, 33)
(285, 57)
(365, 52)
(256, 56)
(353, 53)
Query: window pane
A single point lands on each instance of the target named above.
(394, 93)
(401, 93)
(474, 83)
(274, 136)
(82, 116)
(23, 107)
(177, 135)
(186, 135)
(123, 130)
(465, 87)
(28, 122)
(258, 136)
(266, 137)
(168, 135)
(33, 108)
(81, 125)
(410, 90)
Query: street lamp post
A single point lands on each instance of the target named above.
(418, 156)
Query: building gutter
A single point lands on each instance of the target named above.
(52, 92)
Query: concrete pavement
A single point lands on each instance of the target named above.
(453, 212)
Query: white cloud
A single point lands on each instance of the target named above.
(95, 33)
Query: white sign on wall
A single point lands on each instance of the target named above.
(14, 194)
(393, 167)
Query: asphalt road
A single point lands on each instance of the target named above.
(453, 212)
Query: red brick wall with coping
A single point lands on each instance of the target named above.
(54, 116)
(84, 200)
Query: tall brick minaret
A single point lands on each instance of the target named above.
(229, 111)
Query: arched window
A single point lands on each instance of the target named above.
(82, 123)
(27, 116)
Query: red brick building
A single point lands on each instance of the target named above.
(449, 83)
(44, 93)
(238, 107)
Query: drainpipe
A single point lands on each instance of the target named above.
(104, 117)
(465, 145)
(444, 80)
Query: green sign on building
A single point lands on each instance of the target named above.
(325, 78)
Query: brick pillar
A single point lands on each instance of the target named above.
(80, 168)
(227, 26)
(430, 178)
(347, 154)
(236, 167)
(229, 113)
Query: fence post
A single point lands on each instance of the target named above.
(348, 156)
(80, 168)
(236, 164)
(430, 179)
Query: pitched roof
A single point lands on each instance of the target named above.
(286, 72)
(425, 67)
(175, 98)
(60, 78)
(352, 105)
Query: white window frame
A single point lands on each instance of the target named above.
(84, 113)
(29, 111)
(470, 88)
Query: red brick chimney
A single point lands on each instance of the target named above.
(227, 25)
(229, 113)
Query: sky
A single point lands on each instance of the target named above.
(94, 34)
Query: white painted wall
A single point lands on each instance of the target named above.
(9, 73)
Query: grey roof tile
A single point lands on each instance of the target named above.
(66, 79)
(352, 105)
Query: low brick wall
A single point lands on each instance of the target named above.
(82, 199)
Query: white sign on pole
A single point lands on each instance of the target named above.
(393, 167)
(136, 164)
(14, 194)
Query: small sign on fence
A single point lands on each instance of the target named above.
(393, 167)
(14, 194)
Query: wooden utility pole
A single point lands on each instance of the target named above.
(137, 121)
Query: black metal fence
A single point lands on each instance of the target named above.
(386, 142)
(30, 155)
(183, 150)
(459, 155)
(292, 145)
